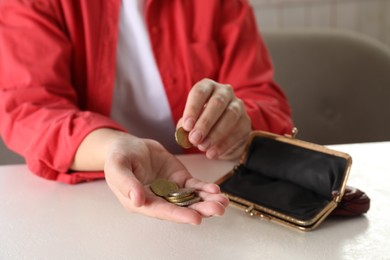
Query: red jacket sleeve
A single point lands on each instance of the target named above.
(247, 67)
(40, 118)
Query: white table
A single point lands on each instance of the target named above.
(40, 219)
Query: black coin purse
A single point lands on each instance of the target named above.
(286, 180)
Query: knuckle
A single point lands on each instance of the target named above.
(218, 100)
(200, 89)
(240, 102)
(235, 109)
(206, 81)
(227, 90)
(204, 85)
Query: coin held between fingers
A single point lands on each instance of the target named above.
(181, 137)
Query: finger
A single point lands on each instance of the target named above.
(123, 180)
(230, 148)
(216, 105)
(230, 152)
(226, 122)
(179, 123)
(211, 205)
(196, 100)
(159, 208)
(202, 186)
(233, 145)
(209, 208)
(220, 198)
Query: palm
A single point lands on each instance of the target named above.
(143, 162)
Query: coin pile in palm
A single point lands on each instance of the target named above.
(171, 192)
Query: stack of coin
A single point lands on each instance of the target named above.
(181, 137)
(171, 192)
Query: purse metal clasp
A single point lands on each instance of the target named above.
(294, 133)
(250, 210)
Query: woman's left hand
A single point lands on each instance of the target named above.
(216, 120)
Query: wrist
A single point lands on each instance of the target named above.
(92, 151)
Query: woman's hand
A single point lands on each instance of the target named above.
(133, 164)
(216, 120)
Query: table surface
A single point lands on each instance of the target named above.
(40, 219)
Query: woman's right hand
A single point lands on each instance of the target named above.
(131, 164)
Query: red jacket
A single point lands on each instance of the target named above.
(57, 68)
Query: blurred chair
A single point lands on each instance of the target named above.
(8, 157)
(337, 82)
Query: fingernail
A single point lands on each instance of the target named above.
(195, 137)
(135, 199)
(189, 124)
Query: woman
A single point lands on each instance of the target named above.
(93, 89)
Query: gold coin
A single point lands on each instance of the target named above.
(188, 202)
(172, 193)
(180, 199)
(181, 137)
(183, 192)
(162, 187)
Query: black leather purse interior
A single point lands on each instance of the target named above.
(290, 179)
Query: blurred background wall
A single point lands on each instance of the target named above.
(370, 17)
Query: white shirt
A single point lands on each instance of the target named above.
(139, 102)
